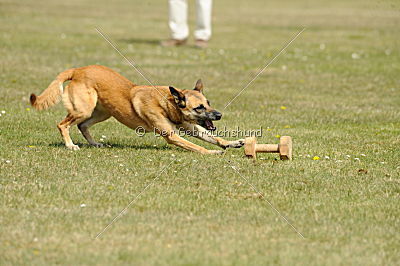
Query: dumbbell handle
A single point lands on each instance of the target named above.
(267, 147)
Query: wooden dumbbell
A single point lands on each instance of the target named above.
(284, 148)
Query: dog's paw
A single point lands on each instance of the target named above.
(236, 144)
(218, 152)
(97, 145)
(73, 147)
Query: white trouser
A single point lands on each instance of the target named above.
(178, 10)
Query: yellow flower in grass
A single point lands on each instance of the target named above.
(287, 126)
(283, 107)
(315, 158)
(277, 136)
(31, 146)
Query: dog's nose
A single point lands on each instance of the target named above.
(218, 115)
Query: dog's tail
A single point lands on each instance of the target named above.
(52, 94)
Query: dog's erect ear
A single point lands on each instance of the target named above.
(178, 97)
(199, 86)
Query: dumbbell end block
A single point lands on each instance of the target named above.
(285, 148)
(250, 147)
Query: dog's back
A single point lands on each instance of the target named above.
(103, 79)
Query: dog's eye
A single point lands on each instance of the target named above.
(208, 102)
(199, 108)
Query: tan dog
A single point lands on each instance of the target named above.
(96, 93)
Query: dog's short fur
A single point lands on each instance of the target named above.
(96, 93)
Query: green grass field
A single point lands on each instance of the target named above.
(339, 82)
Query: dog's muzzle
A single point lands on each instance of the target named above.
(207, 123)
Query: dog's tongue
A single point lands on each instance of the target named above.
(209, 125)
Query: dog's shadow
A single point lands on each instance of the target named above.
(115, 146)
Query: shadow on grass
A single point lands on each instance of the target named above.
(115, 146)
(141, 41)
(153, 42)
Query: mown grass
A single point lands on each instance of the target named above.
(339, 83)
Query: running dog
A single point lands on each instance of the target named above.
(96, 93)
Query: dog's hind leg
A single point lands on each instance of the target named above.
(80, 102)
(64, 126)
(98, 115)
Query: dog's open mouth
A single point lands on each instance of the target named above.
(208, 124)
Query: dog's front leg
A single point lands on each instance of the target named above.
(187, 145)
(168, 131)
(203, 134)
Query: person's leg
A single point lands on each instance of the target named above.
(203, 20)
(178, 19)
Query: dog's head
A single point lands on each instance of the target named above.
(195, 107)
